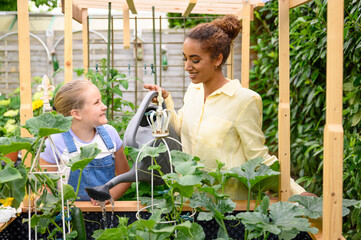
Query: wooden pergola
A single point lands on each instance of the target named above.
(333, 132)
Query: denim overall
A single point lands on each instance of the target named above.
(97, 172)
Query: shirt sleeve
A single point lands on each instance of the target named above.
(114, 135)
(176, 118)
(249, 128)
(48, 155)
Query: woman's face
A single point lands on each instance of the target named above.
(93, 111)
(197, 62)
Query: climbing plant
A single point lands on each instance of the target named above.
(308, 46)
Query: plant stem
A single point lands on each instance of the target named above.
(56, 225)
(77, 187)
(249, 199)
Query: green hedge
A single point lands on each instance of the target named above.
(308, 41)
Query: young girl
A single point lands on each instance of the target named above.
(82, 100)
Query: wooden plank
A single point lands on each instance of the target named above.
(333, 133)
(230, 64)
(132, 6)
(284, 101)
(26, 108)
(85, 39)
(296, 3)
(246, 32)
(68, 41)
(191, 5)
(77, 11)
(126, 27)
(131, 206)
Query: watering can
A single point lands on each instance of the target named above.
(138, 133)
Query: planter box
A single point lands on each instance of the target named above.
(19, 230)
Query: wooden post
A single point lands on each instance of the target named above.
(246, 30)
(230, 61)
(333, 132)
(68, 39)
(126, 27)
(85, 39)
(26, 109)
(191, 5)
(284, 101)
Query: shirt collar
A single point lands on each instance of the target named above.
(229, 88)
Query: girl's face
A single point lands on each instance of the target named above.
(198, 63)
(93, 111)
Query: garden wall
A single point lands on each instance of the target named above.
(174, 78)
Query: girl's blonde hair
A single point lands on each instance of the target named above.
(71, 96)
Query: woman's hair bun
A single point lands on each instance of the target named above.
(229, 24)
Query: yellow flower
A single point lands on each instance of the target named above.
(37, 104)
(6, 202)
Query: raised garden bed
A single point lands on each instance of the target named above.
(93, 215)
(19, 230)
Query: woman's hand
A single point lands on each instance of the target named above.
(153, 87)
(308, 194)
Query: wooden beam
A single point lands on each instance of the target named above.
(296, 3)
(246, 32)
(68, 39)
(26, 109)
(333, 132)
(132, 6)
(77, 11)
(126, 27)
(284, 100)
(230, 64)
(131, 206)
(191, 5)
(85, 39)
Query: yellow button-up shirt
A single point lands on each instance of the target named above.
(226, 127)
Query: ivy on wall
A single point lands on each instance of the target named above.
(308, 47)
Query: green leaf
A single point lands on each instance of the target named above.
(87, 154)
(195, 232)
(47, 124)
(68, 192)
(205, 216)
(284, 219)
(313, 206)
(149, 151)
(252, 172)
(14, 144)
(9, 174)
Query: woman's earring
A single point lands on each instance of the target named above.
(215, 68)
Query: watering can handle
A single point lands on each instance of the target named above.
(132, 129)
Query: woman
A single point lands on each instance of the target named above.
(220, 120)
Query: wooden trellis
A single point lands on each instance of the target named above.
(333, 133)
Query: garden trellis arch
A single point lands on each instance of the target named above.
(333, 133)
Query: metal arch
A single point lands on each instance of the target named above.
(92, 31)
(34, 36)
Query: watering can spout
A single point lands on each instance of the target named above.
(101, 193)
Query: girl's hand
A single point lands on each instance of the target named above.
(153, 87)
(96, 203)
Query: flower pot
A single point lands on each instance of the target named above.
(13, 156)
